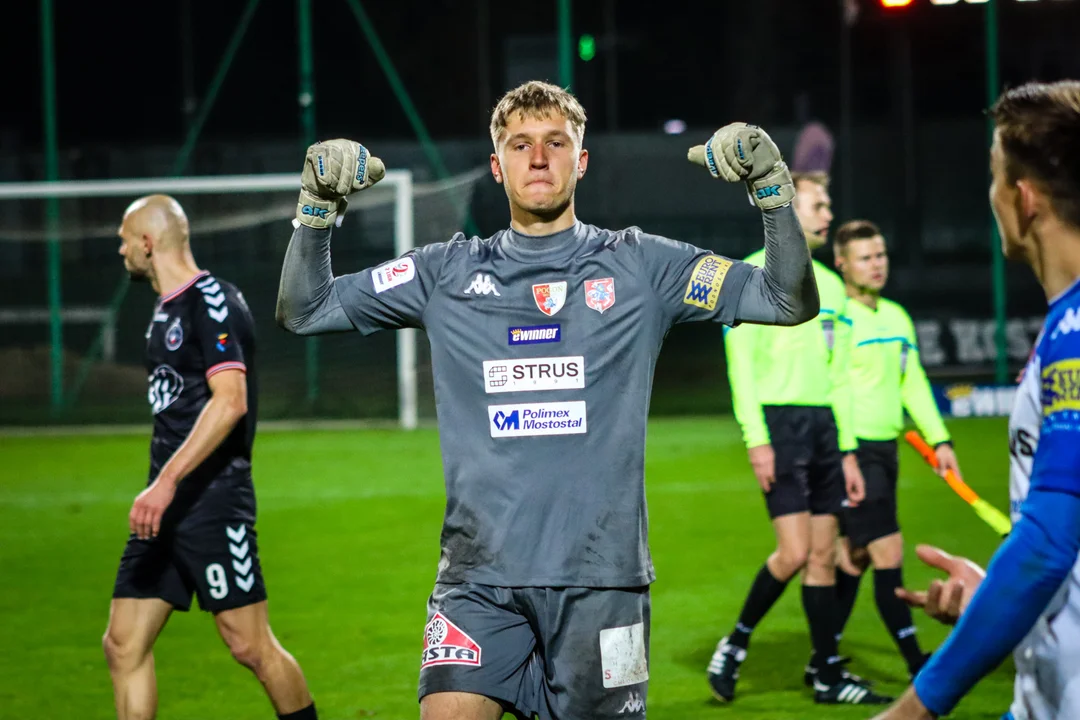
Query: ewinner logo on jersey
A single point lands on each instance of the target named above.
(447, 644)
(524, 420)
(703, 290)
(533, 334)
(526, 374)
(392, 274)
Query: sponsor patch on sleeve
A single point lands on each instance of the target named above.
(1061, 387)
(703, 290)
(392, 274)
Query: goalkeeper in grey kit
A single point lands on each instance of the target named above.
(543, 342)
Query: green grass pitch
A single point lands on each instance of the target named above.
(349, 528)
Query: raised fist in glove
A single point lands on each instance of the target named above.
(332, 170)
(741, 152)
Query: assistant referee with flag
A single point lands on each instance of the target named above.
(887, 379)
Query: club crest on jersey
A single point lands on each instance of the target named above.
(447, 644)
(600, 294)
(550, 297)
(174, 335)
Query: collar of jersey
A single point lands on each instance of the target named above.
(539, 248)
(1071, 290)
(180, 290)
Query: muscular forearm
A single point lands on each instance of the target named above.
(217, 419)
(307, 302)
(784, 291)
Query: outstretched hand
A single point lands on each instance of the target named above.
(945, 600)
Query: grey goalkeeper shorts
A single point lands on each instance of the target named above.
(555, 653)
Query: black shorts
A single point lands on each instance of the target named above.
(566, 653)
(875, 517)
(207, 548)
(809, 465)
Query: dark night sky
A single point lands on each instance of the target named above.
(120, 65)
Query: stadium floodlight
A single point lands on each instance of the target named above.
(895, 3)
(975, 2)
(944, 2)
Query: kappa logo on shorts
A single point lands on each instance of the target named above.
(447, 644)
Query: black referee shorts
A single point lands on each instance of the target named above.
(809, 469)
(875, 517)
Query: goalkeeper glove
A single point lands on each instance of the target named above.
(746, 152)
(332, 170)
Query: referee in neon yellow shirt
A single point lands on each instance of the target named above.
(887, 379)
(791, 395)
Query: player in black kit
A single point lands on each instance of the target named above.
(193, 527)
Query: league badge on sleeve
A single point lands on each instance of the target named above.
(600, 294)
(550, 297)
(174, 336)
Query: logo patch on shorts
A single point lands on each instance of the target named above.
(622, 655)
(447, 644)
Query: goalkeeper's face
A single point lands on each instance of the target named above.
(539, 162)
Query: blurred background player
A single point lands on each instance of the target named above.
(193, 527)
(791, 394)
(887, 378)
(1029, 598)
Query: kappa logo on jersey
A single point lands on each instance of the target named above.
(1070, 322)
(165, 387)
(703, 290)
(214, 297)
(392, 274)
(554, 418)
(1061, 386)
(447, 644)
(482, 285)
(528, 374)
(550, 297)
(174, 335)
(533, 334)
(600, 294)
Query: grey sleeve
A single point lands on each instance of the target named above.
(783, 292)
(691, 283)
(312, 301)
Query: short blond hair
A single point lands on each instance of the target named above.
(816, 177)
(537, 100)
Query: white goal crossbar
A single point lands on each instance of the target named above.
(400, 180)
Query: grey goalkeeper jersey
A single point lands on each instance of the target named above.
(543, 350)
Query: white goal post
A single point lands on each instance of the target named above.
(400, 180)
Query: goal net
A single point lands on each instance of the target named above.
(72, 325)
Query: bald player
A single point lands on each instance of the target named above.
(193, 527)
